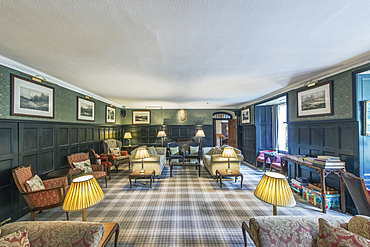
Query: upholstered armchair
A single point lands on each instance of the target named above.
(261, 156)
(276, 164)
(52, 196)
(194, 151)
(174, 151)
(112, 148)
(99, 171)
(102, 159)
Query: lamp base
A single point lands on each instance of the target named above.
(142, 171)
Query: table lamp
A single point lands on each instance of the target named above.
(161, 134)
(200, 134)
(142, 153)
(83, 193)
(228, 153)
(274, 189)
(128, 136)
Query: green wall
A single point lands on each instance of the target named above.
(171, 116)
(65, 102)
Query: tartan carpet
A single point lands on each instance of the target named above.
(182, 210)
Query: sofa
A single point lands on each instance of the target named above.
(62, 233)
(213, 161)
(156, 161)
(284, 231)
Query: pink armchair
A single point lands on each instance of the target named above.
(261, 156)
(50, 197)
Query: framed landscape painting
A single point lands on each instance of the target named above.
(246, 115)
(110, 114)
(140, 117)
(85, 109)
(31, 99)
(315, 101)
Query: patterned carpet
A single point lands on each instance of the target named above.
(183, 210)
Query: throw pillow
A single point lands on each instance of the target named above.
(18, 238)
(151, 151)
(98, 160)
(34, 184)
(115, 151)
(194, 150)
(217, 150)
(237, 151)
(174, 151)
(210, 152)
(337, 236)
(360, 225)
(84, 165)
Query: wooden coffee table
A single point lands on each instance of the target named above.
(147, 174)
(197, 165)
(233, 173)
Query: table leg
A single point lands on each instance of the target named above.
(198, 169)
(217, 176)
(151, 179)
(116, 237)
(342, 195)
(264, 165)
(236, 177)
(220, 181)
(153, 176)
(130, 181)
(241, 183)
(323, 190)
(171, 170)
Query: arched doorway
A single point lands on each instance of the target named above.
(224, 129)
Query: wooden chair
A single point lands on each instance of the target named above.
(99, 171)
(261, 157)
(52, 196)
(103, 161)
(358, 191)
(119, 159)
(276, 164)
(189, 155)
(178, 155)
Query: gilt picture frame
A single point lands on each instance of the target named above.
(246, 115)
(85, 109)
(140, 117)
(31, 99)
(110, 114)
(315, 101)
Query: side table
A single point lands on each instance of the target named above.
(129, 148)
(233, 173)
(146, 174)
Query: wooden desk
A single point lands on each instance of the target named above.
(323, 172)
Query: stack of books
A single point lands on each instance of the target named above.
(329, 162)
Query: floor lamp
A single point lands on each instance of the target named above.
(274, 189)
(162, 135)
(200, 134)
(83, 193)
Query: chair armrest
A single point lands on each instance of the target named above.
(161, 150)
(112, 157)
(98, 167)
(44, 190)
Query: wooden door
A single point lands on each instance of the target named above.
(233, 133)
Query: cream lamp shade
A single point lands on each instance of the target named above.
(200, 133)
(228, 153)
(83, 193)
(274, 189)
(161, 133)
(128, 136)
(142, 153)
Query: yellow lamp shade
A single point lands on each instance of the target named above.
(228, 152)
(274, 189)
(83, 193)
(127, 135)
(161, 133)
(141, 153)
(200, 133)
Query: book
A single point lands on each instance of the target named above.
(328, 158)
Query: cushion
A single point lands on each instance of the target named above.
(124, 153)
(152, 151)
(84, 165)
(174, 150)
(115, 151)
(237, 151)
(34, 184)
(217, 150)
(98, 160)
(338, 236)
(360, 225)
(194, 150)
(210, 152)
(18, 238)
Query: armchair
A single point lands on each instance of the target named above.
(99, 171)
(276, 164)
(101, 159)
(52, 196)
(190, 154)
(121, 157)
(172, 154)
(261, 156)
(358, 191)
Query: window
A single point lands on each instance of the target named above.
(282, 128)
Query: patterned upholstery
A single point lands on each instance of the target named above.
(52, 196)
(261, 156)
(59, 233)
(287, 231)
(116, 160)
(176, 156)
(99, 171)
(276, 163)
(103, 161)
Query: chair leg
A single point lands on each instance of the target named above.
(33, 216)
(67, 215)
(256, 163)
(106, 182)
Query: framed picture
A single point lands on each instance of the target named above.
(246, 115)
(31, 99)
(140, 117)
(110, 114)
(366, 119)
(85, 109)
(315, 101)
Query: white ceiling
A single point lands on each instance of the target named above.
(184, 54)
